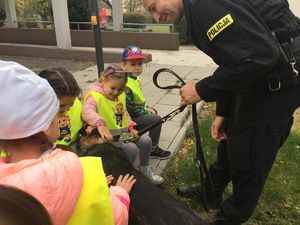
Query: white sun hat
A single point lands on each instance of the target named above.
(28, 104)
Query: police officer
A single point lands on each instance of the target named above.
(254, 43)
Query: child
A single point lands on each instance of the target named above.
(67, 90)
(17, 208)
(58, 179)
(105, 109)
(135, 101)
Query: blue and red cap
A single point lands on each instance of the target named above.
(132, 52)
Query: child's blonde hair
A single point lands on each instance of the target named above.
(114, 71)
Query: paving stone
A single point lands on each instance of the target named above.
(200, 72)
(161, 166)
(164, 144)
(150, 90)
(170, 130)
(152, 100)
(145, 79)
(182, 71)
(170, 99)
(154, 163)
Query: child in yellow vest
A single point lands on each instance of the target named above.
(67, 90)
(105, 109)
(73, 190)
(143, 116)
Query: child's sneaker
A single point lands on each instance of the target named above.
(159, 153)
(155, 179)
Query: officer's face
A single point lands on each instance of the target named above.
(164, 11)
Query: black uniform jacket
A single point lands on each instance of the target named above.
(237, 38)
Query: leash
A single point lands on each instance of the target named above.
(162, 120)
(205, 179)
(125, 138)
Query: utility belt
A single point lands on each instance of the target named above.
(291, 53)
(285, 73)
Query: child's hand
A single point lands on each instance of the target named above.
(126, 182)
(89, 129)
(109, 179)
(151, 110)
(105, 133)
(134, 134)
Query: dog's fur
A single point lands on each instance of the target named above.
(149, 205)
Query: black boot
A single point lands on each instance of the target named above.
(196, 193)
(189, 192)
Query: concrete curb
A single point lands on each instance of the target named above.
(178, 140)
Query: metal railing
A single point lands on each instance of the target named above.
(130, 27)
(169, 28)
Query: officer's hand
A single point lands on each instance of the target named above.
(189, 94)
(218, 129)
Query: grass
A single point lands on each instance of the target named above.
(280, 200)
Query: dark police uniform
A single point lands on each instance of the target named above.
(254, 84)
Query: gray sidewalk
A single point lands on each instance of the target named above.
(189, 63)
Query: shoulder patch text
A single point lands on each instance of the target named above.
(219, 26)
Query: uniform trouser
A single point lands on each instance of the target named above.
(147, 119)
(259, 125)
(219, 173)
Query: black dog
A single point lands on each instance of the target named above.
(149, 205)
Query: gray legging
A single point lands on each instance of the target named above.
(143, 146)
(144, 120)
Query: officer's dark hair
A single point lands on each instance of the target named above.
(18, 207)
(62, 82)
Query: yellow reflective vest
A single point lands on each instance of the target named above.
(69, 124)
(94, 205)
(134, 83)
(113, 112)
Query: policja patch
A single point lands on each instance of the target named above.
(219, 26)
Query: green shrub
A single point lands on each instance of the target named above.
(135, 18)
(79, 11)
(2, 15)
(181, 28)
(32, 24)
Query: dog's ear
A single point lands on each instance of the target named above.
(86, 142)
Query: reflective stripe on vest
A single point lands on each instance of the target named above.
(113, 112)
(94, 205)
(69, 124)
(136, 88)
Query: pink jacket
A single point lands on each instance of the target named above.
(55, 179)
(120, 204)
(89, 111)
